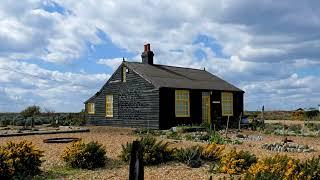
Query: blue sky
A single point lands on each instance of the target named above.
(57, 53)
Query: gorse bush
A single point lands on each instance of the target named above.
(276, 167)
(19, 160)
(86, 156)
(212, 152)
(236, 162)
(190, 156)
(154, 152)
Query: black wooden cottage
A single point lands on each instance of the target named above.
(159, 96)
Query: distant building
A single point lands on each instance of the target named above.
(144, 94)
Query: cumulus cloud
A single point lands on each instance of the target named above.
(267, 48)
(24, 84)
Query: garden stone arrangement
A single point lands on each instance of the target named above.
(288, 147)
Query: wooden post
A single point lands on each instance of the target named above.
(227, 126)
(136, 170)
(262, 115)
(239, 125)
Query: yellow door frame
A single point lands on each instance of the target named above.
(206, 107)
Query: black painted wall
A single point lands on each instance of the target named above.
(167, 108)
(135, 102)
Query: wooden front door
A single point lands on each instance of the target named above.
(206, 108)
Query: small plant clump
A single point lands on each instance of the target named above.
(217, 139)
(154, 152)
(236, 162)
(19, 160)
(86, 156)
(190, 156)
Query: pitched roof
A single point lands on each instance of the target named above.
(178, 77)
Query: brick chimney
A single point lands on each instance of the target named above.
(147, 55)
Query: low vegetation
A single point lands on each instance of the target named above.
(86, 156)
(276, 167)
(298, 115)
(190, 156)
(236, 162)
(308, 129)
(153, 152)
(33, 115)
(19, 160)
(212, 152)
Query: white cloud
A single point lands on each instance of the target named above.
(24, 84)
(112, 63)
(265, 44)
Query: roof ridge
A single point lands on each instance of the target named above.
(167, 66)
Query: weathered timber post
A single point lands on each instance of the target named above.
(227, 126)
(239, 125)
(136, 169)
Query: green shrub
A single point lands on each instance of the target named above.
(271, 128)
(310, 169)
(311, 114)
(276, 167)
(296, 128)
(153, 152)
(236, 162)
(20, 160)
(173, 135)
(190, 156)
(217, 139)
(197, 136)
(313, 126)
(5, 166)
(85, 156)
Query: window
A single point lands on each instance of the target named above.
(90, 108)
(182, 107)
(109, 106)
(227, 103)
(124, 74)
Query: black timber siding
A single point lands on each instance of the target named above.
(167, 108)
(135, 102)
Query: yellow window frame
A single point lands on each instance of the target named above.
(109, 105)
(227, 103)
(124, 74)
(182, 103)
(90, 108)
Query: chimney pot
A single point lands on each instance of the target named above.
(145, 47)
(147, 55)
(148, 47)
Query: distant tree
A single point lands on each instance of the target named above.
(50, 114)
(31, 111)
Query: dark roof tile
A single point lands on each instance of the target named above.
(178, 77)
